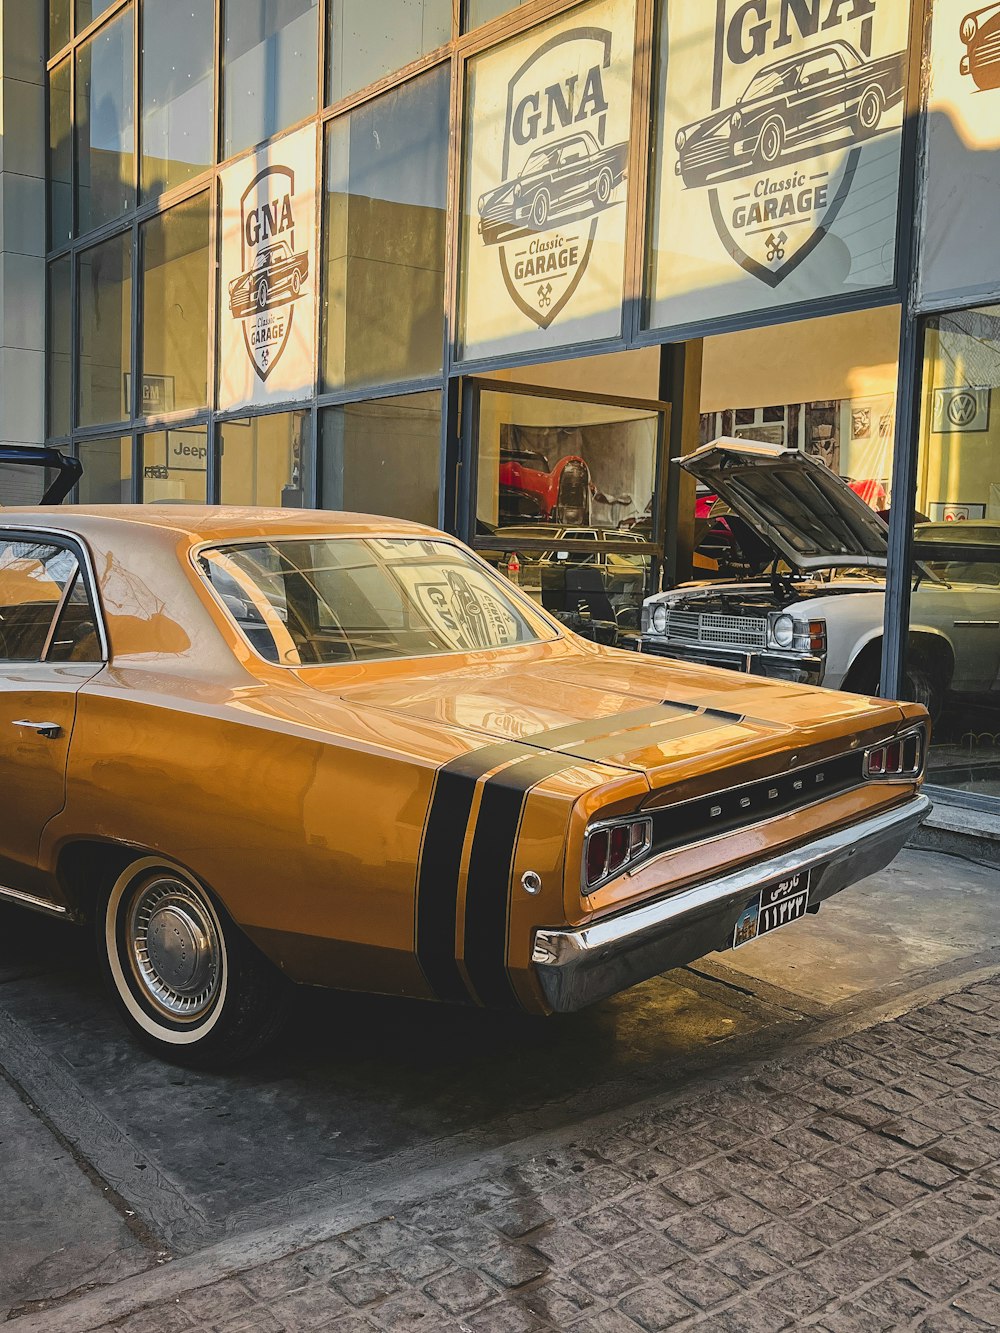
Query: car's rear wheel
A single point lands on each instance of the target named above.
(771, 142)
(296, 282)
(870, 110)
(603, 188)
(189, 985)
(920, 686)
(540, 209)
(263, 293)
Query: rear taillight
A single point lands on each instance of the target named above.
(900, 758)
(609, 848)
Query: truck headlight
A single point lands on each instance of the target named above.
(735, 121)
(659, 618)
(680, 140)
(969, 28)
(783, 631)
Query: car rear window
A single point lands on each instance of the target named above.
(321, 601)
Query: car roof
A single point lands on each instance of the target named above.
(802, 56)
(211, 522)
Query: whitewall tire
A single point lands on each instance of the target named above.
(189, 985)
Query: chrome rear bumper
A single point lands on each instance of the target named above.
(577, 967)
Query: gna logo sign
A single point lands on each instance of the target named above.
(796, 90)
(273, 273)
(557, 173)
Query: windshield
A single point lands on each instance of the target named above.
(540, 160)
(768, 81)
(326, 600)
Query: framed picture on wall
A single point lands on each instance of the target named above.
(955, 513)
(157, 394)
(966, 408)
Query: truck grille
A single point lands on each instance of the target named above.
(710, 627)
(708, 150)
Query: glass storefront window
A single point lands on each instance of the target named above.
(482, 11)
(177, 92)
(175, 291)
(174, 466)
(384, 236)
(362, 46)
(58, 26)
(953, 657)
(270, 70)
(263, 460)
(105, 124)
(59, 348)
(107, 471)
(104, 284)
(88, 10)
(564, 504)
(382, 456)
(60, 164)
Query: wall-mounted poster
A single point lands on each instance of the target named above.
(961, 409)
(776, 154)
(267, 284)
(545, 185)
(960, 200)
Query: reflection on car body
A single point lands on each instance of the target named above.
(980, 31)
(811, 98)
(276, 276)
(555, 180)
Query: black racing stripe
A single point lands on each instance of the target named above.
(440, 862)
(490, 866)
(576, 733)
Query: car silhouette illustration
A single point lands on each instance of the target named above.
(557, 179)
(980, 31)
(275, 277)
(809, 99)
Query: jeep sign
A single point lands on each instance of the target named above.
(546, 182)
(777, 176)
(268, 274)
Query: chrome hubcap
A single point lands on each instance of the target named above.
(174, 946)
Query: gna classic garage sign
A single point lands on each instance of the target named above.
(268, 274)
(547, 145)
(777, 178)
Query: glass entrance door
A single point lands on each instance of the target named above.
(563, 494)
(953, 659)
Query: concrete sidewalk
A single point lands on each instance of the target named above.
(853, 1186)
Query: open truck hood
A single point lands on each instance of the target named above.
(808, 514)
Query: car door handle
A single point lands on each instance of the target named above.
(48, 729)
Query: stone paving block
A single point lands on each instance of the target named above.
(935, 1278)
(519, 1217)
(418, 1261)
(815, 1181)
(982, 1303)
(306, 1308)
(858, 1202)
(274, 1279)
(513, 1265)
(411, 1310)
(557, 1301)
(379, 1239)
(695, 1232)
(852, 1318)
(216, 1303)
(350, 1323)
(607, 1225)
(502, 1318)
(702, 1284)
(894, 1299)
(606, 1275)
(950, 1321)
(895, 1188)
(367, 1283)
(651, 1206)
(168, 1318)
(827, 1224)
(648, 1252)
(606, 1321)
(459, 1291)
(747, 1262)
(750, 1315)
(654, 1308)
(561, 1244)
(788, 1242)
(796, 1293)
(693, 1187)
(738, 1215)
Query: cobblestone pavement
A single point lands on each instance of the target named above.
(851, 1187)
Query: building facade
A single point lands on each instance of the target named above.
(493, 266)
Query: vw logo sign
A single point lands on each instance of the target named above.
(962, 409)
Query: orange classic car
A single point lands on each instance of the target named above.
(253, 746)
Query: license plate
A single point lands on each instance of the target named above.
(774, 906)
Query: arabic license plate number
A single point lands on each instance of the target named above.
(774, 906)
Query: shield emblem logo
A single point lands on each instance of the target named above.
(273, 273)
(558, 174)
(779, 151)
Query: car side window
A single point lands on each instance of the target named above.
(821, 68)
(34, 577)
(574, 152)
